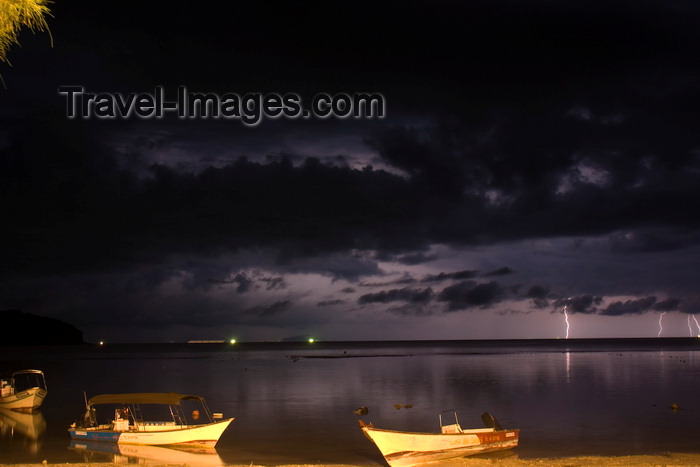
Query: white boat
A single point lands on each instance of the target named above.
(155, 419)
(402, 449)
(23, 391)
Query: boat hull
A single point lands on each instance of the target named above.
(192, 436)
(403, 449)
(24, 401)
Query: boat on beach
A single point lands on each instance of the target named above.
(23, 391)
(154, 419)
(403, 449)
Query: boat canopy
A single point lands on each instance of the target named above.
(23, 372)
(167, 398)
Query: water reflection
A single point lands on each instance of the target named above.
(144, 455)
(26, 428)
(567, 398)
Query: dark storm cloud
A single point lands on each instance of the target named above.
(433, 167)
(538, 296)
(415, 258)
(274, 283)
(667, 305)
(405, 294)
(505, 121)
(469, 294)
(529, 171)
(653, 240)
(689, 305)
(297, 257)
(553, 144)
(636, 307)
(504, 271)
(459, 275)
(588, 304)
(580, 304)
(68, 198)
(466, 274)
(241, 280)
(537, 292)
(247, 282)
(243, 283)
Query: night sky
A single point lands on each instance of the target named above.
(535, 157)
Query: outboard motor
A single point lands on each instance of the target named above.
(490, 421)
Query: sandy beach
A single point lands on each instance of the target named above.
(657, 460)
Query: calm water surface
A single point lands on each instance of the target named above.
(294, 403)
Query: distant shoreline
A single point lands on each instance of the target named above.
(557, 342)
(389, 342)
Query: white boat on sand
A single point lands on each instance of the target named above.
(402, 449)
(23, 391)
(156, 419)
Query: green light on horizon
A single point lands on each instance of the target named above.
(311, 340)
(232, 341)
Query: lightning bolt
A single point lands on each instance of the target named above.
(690, 327)
(697, 324)
(661, 326)
(566, 318)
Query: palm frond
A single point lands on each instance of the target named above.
(15, 14)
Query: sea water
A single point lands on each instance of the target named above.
(297, 402)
